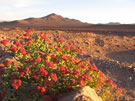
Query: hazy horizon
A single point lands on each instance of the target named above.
(89, 11)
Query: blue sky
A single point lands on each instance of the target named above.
(91, 11)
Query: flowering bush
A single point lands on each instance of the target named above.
(44, 71)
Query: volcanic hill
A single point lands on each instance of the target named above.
(52, 20)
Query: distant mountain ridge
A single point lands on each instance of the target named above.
(114, 23)
(52, 20)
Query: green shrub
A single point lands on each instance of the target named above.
(44, 71)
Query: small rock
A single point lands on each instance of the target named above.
(130, 78)
(83, 94)
(86, 42)
(99, 42)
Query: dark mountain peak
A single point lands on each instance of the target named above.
(53, 16)
(113, 23)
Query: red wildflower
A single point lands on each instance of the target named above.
(21, 71)
(49, 64)
(73, 81)
(43, 90)
(27, 34)
(71, 59)
(22, 50)
(81, 82)
(110, 82)
(40, 89)
(107, 93)
(38, 59)
(58, 49)
(42, 33)
(63, 57)
(61, 40)
(119, 91)
(28, 30)
(17, 43)
(80, 51)
(84, 76)
(55, 59)
(101, 80)
(27, 70)
(43, 72)
(30, 40)
(62, 69)
(14, 49)
(7, 62)
(5, 42)
(45, 37)
(22, 74)
(70, 70)
(67, 48)
(89, 78)
(35, 75)
(101, 74)
(41, 69)
(70, 43)
(94, 68)
(76, 72)
(53, 77)
(16, 83)
(19, 82)
(58, 68)
(19, 37)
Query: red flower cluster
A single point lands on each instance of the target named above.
(110, 82)
(16, 84)
(22, 50)
(48, 70)
(7, 62)
(23, 72)
(5, 42)
(40, 89)
(45, 37)
(53, 77)
(119, 91)
(14, 49)
(61, 40)
(62, 69)
(17, 43)
(43, 72)
(49, 64)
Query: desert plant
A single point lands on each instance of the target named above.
(41, 71)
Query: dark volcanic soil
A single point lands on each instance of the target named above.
(113, 54)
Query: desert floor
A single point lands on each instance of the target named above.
(114, 54)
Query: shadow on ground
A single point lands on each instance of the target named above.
(123, 56)
(123, 76)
